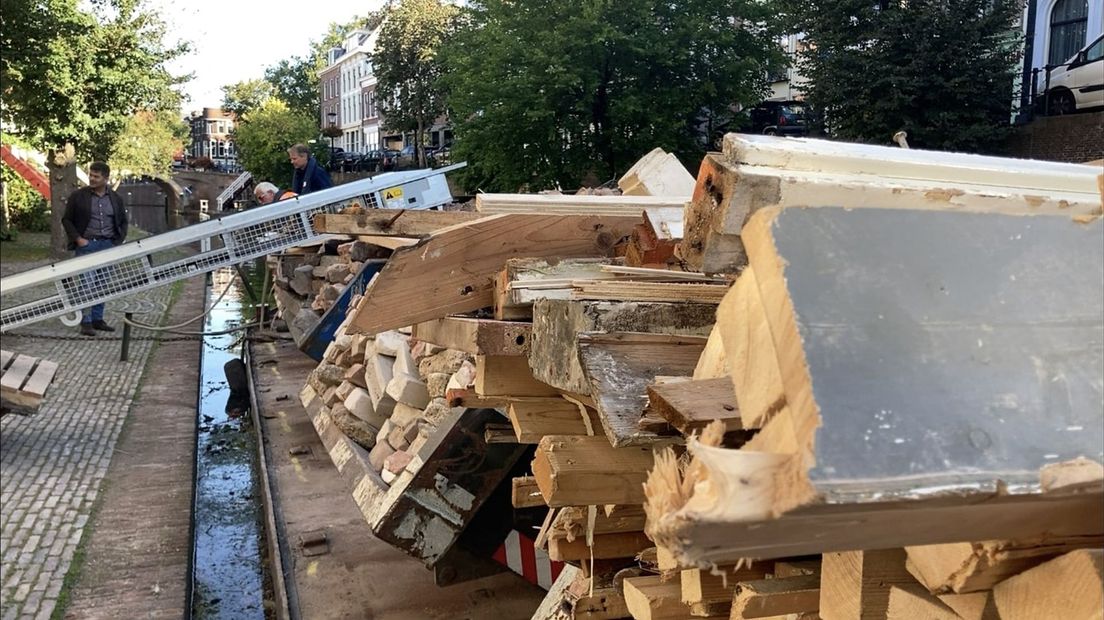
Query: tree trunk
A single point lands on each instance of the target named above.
(419, 151)
(5, 218)
(62, 164)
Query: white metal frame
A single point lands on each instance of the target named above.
(225, 240)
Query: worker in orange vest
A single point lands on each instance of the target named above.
(267, 193)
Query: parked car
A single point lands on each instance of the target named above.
(778, 118)
(379, 160)
(409, 159)
(1079, 84)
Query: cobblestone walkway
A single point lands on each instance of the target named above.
(52, 464)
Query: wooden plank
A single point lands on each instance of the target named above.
(574, 522)
(585, 471)
(972, 606)
(619, 368)
(712, 363)
(5, 358)
(972, 567)
(41, 379)
(532, 419)
(411, 223)
(909, 602)
(476, 336)
(16, 375)
(709, 592)
(606, 547)
(674, 292)
(647, 273)
(691, 405)
(554, 356)
(391, 243)
(854, 585)
(658, 173)
(525, 493)
(603, 604)
(650, 598)
(562, 204)
(499, 375)
(1069, 586)
(763, 598)
(423, 282)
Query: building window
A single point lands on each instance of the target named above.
(1068, 20)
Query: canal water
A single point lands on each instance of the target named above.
(229, 572)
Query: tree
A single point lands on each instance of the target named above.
(547, 94)
(407, 69)
(942, 70)
(148, 143)
(73, 78)
(243, 97)
(295, 81)
(265, 136)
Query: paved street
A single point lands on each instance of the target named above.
(52, 464)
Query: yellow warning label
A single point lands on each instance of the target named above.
(392, 193)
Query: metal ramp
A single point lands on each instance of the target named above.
(226, 241)
(234, 187)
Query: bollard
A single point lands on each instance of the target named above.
(126, 337)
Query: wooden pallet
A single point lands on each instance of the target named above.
(23, 382)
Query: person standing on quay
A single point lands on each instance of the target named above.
(95, 219)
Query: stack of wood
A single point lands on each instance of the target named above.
(309, 279)
(820, 430)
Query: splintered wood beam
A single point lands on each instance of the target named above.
(606, 547)
(533, 418)
(476, 336)
(749, 350)
(525, 493)
(713, 364)
(854, 585)
(971, 567)
(557, 324)
(392, 222)
(1069, 586)
(453, 270)
(584, 471)
(692, 405)
(499, 375)
(763, 598)
(847, 344)
(603, 604)
(619, 368)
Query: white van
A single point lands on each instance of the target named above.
(1080, 84)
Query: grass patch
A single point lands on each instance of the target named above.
(26, 247)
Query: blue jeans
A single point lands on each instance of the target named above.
(91, 279)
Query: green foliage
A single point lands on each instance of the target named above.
(243, 97)
(27, 209)
(295, 81)
(942, 70)
(264, 138)
(74, 76)
(148, 143)
(546, 94)
(406, 65)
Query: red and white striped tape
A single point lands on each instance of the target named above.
(519, 554)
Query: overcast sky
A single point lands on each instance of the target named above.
(234, 41)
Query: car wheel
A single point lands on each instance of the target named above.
(770, 131)
(1062, 102)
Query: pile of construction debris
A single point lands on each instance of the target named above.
(820, 380)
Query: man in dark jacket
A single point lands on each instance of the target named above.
(309, 176)
(95, 219)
